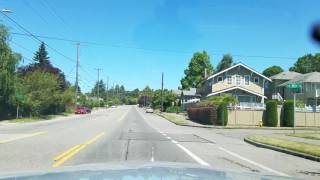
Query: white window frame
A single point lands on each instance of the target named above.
(238, 79)
(229, 79)
(254, 80)
(218, 79)
(245, 82)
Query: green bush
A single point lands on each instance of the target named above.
(222, 113)
(271, 114)
(203, 115)
(288, 116)
(173, 109)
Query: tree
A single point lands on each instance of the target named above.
(225, 62)
(41, 56)
(272, 70)
(168, 98)
(194, 74)
(102, 89)
(8, 64)
(41, 90)
(307, 63)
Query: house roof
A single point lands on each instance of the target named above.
(236, 65)
(236, 87)
(313, 77)
(288, 75)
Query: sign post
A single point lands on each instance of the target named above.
(296, 87)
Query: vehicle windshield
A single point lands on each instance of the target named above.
(217, 85)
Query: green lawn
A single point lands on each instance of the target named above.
(315, 136)
(173, 118)
(294, 146)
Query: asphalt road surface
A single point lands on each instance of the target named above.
(127, 134)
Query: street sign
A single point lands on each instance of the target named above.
(294, 86)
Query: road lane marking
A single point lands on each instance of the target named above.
(152, 155)
(60, 159)
(193, 156)
(66, 152)
(22, 137)
(123, 116)
(254, 163)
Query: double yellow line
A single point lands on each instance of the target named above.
(61, 158)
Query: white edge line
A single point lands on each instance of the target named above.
(254, 163)
(196, 158)
(193, 156)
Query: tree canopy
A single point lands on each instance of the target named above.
(307, 63)
(225, 62)
(8, 64)
(41, 56)
(194, 74)
(272, 70)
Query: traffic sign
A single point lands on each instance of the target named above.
(294, 86)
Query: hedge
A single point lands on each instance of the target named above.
(222, 113)
(173, 109)
(271, 114)
(203, 115)
(288, 116)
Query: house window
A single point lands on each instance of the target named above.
(246, 79)
(238, 79)
(220, 78)
(229, 78)
(256, 80)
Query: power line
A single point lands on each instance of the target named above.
(151, 49)
(35, 37)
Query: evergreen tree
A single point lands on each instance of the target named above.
(41, 56)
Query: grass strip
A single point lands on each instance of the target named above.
(315, 136)
(310, 149)
(172, 118)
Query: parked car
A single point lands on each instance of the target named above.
(113, 106)
(149, 110)
(81, 110)
(88, 110)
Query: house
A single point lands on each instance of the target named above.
(188, 95)
(310, 88)
(278, 92)
(245, 83)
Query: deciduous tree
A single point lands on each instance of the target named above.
(272, 70)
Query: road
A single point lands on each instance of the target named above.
(127, 134)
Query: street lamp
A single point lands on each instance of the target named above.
(6, 11)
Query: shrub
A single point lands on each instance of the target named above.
(203, 115)
(173, 109)
(288, 116)
(222, 113)
(271, 114)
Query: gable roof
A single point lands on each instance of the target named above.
(236, 87)
(288, 75)
(236, 65)
(312, 77)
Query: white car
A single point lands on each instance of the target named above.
(149, 110)
(113, 106)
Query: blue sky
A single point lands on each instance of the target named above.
(137, 40)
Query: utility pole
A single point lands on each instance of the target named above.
(107, 89)
(98, 84)
(77, 74)
(162, 92)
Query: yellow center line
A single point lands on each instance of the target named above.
(22, 137)
(60, 159)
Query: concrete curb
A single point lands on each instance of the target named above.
(283, 150)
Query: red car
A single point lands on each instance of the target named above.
(81, 110)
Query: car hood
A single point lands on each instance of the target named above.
(159, 170)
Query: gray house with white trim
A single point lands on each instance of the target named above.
(246, 84)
